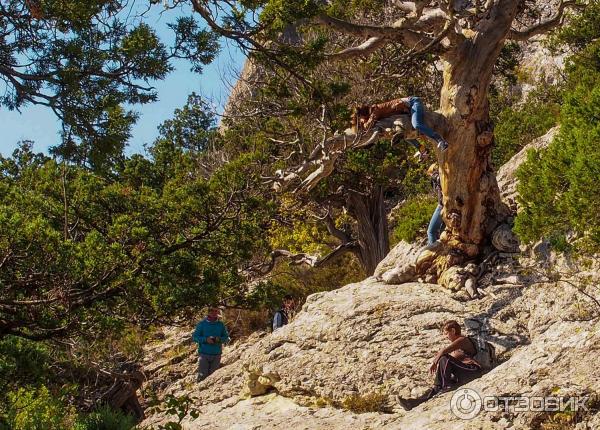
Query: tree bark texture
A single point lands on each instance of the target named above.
(372, 226)
(472, 205)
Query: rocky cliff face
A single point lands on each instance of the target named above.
(364, 344)
(506, 176)
(349, 353)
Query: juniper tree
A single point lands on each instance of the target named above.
(464, 37)
(90, 62)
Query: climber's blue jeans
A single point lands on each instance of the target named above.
(417, 111)
(435, 225)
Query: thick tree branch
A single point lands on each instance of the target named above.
(334, 231)
(544, 26)
(307, 259)
(364, 49)
(39, 335)
(322, 160)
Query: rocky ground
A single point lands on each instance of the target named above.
(358, 347)
(344, 359)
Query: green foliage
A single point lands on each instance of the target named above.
(412, 218)
(301, 282)
(349, 9)
(518, 126)
(22, 362)
(582, 29)
(105, 418)
(31, 395)
(89, 62)
(161, 237)
(191, 128)
(40, 409)
(385, 163)
(280, 13)
(309, 236)
(178, 406)
(37, 409)
(559, 185)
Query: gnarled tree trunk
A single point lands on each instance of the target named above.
(467, 37)
(472, 205)
(372, 226)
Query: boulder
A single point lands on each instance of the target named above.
(507, 179)
(398, 266)
(367, 343)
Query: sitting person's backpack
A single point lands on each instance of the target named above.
(269, 320)
(485, 353)
(272, 314)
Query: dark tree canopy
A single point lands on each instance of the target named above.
(78, 250)
(90, 62)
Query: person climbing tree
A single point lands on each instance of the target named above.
(366, 116)
(453, 365)
(436, 224)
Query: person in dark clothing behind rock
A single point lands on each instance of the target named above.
(453, 365)
(282, 316)
(210, 335)
(436, 225)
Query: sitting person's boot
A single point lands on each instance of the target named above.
(408, 404)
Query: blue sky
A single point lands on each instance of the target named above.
(39, 124)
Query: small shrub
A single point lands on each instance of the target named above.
(176, 406)
(413, 218)
(106, 418)
(38, 409)
(371, 402)
(24, 361)
(323, 402)
(243, 322)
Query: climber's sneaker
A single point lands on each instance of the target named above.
(442, 145)
(433, 246)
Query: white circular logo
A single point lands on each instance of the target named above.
(465, 403)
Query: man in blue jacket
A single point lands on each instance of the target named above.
(210, 335)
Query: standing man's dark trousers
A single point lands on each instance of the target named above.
(207, 364)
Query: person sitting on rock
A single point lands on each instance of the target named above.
(210, 335)
(453, 365)
(366, 116)
(436, 224)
